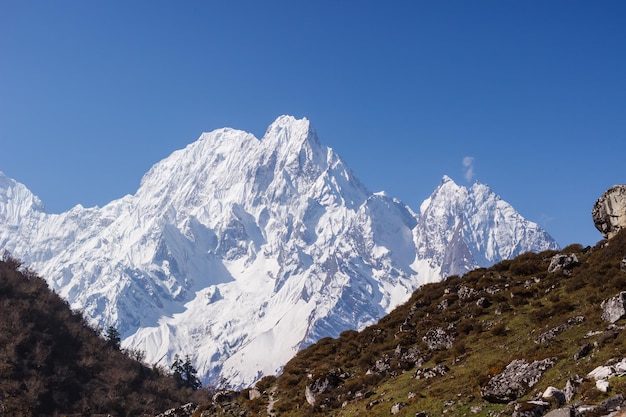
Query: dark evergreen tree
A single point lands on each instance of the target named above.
(184, 373)
(113, 337)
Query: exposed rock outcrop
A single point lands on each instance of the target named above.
(515, 381)
(324, 384)
(530, 409)
(614, 308)
(182, 411)
(554, 393)
(552, 333)
(438, 338)
(609, 212)
(602, 374)
(563, 262)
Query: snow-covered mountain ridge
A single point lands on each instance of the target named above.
(240, 251)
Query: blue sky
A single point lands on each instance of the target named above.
(528, 97)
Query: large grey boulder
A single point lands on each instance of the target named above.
(563, 262)
(609, 212)
(614, 308)
(515, 381)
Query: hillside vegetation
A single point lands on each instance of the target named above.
(437, 353)
(52, 363)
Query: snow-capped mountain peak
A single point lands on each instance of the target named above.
(239, 251)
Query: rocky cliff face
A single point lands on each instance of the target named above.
(609, 212)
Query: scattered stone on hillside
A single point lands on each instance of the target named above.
(563, 263)
(515, 381)
(476, 409)
(438, 370)
(571, 387)
(395, 409)
(554, 393)
(614, 308)
(483, 302)
(182, 411)
(406, 326)
(437, 338)
(443, 305)
(602, 374)
(381, 366)
(561, 412)
(224, 395)
(254, 393)
(552, 333)
(583, 351)
(530, 409)
(622, 265)
(609, 211)
(409, 357)
(493, 289)
(465, 292)
(324, 384)
(371, 404)
(612, 406)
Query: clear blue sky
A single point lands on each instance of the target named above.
(93, 93)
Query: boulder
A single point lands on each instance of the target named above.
(530, 409)
(254, 393)
(395, 409)
(583, 351)
(571, 387)
(515, 381)
(563, 262)
(483, 302)
(602, 374)
(554, 393)
(614, 308)
(609, 212)
(437, 338)
(622, 264)
(561, 412)
(324, 384)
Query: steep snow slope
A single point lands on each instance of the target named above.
(240, 251)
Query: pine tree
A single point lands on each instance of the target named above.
(184, 373)
(113, 337)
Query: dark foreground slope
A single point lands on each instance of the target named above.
(53, 363)
(484, 344)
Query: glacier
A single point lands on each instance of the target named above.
(241, 251)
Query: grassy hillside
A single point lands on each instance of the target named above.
(53, 363)
(434, 353)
